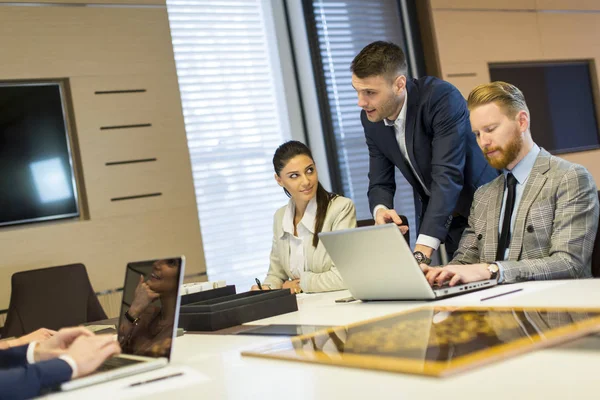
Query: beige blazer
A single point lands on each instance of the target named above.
(555, 227)
(321, 274)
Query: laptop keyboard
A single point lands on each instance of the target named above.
(444, 285)
(116, 362)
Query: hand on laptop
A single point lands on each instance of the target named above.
(58, 344)
(455, 274)
(89, 352)
(385, 216)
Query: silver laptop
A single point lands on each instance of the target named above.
(146, 333)
(376, 263)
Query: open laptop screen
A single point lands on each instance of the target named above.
(150, 307)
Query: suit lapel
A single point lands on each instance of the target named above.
(496, 195)
(411, 120)
(534, 185)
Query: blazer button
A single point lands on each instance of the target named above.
(479, 236)
(530, 228)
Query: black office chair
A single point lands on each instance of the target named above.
(368, 222)
(596, 253)
(52, 298)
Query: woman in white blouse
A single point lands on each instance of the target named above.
(298, 259)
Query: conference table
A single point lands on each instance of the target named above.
(213, 368)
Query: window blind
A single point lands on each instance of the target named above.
(229, 92)
(343, 28)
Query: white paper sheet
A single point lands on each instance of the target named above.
(121, 389)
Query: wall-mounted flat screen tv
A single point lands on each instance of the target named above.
(37, 182)
(560, 99)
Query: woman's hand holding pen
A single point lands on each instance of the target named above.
(293, 285)
(263, 287)
(259, 286)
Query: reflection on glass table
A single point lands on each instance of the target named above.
(437, 340)
(282, 329)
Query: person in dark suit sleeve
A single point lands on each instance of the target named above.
(28, 369)
(421, 126)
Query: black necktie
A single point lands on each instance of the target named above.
(504, 241)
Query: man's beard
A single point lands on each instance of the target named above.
(386, 109)
(507, 154)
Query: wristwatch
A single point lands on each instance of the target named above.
(130, 318)
(494, 270)
(422, 258)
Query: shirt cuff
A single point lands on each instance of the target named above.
(500, 272)
(377, 207)
(429, 241)
(31, 352)
(69, 360)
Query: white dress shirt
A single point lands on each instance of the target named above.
(305, 230)
(66, 358)
(400, 127)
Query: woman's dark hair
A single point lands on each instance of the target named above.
(282, 156)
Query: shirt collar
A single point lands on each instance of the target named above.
(401, 116)
(308, 219)
(522, 170)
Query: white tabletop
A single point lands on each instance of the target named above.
(214, 368)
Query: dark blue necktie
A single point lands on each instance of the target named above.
(504, 241)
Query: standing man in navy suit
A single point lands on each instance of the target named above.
(421, 126)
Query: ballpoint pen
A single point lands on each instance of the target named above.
(160, 378)
(501, 294)
(258, 283)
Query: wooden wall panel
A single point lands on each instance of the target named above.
(570, 35)
(159, 103)
(112, 2)
(473, 37)
(120, 181)
(135, 143)
(487, 4)
(573, 5)
(99, 49)
(466, 76)
(84, 41)
(164, 140)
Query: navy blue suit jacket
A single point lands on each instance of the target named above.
(21, 380)
(442, 149)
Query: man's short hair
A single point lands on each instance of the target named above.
(379, 58)
(508, 97)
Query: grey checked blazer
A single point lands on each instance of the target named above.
(555, 226)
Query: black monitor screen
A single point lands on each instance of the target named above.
(36, 173)
(560, 99)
